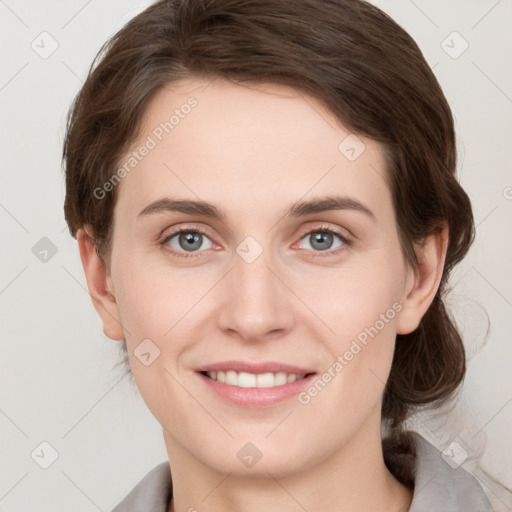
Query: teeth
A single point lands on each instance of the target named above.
(245, 380)
(231, 378)
(250, 380)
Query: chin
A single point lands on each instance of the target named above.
(248, 459)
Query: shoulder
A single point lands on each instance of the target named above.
(151, 494)
(444, 487)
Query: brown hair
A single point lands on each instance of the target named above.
(365, 69)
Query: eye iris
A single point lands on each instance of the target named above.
(321, 238)
(190, 241)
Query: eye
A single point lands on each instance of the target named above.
(323, 239)
(187, 241)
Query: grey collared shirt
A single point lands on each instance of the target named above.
(437, 487)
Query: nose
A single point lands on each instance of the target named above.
(258, 305)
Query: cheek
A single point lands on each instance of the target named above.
(153, 309)
(349, 390)
(154, 300)
(360, 307)
(150, 306)
(356, 297)
(365, 360)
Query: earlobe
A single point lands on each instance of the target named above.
(424, 281)
(99, 285)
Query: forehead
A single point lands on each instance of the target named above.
(256, 145)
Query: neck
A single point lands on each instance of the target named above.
(354, 478)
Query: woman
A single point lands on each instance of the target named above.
(265, 202)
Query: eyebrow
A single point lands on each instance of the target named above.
(298, 209)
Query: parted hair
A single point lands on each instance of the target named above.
(366, 70)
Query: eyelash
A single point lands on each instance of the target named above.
(347, 242)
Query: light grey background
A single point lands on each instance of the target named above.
(57, 382)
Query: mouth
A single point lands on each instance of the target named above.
(255, 385)
(253, 380)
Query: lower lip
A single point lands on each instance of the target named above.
(256, 397)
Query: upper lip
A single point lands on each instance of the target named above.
(256, 368)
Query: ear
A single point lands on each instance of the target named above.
(99, 284)
(423, 281)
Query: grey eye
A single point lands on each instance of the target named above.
(321, 240)
(189, 241)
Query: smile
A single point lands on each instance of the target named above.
(251, 380)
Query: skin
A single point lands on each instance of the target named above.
(253, 151)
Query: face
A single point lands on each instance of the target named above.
(267, 283)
